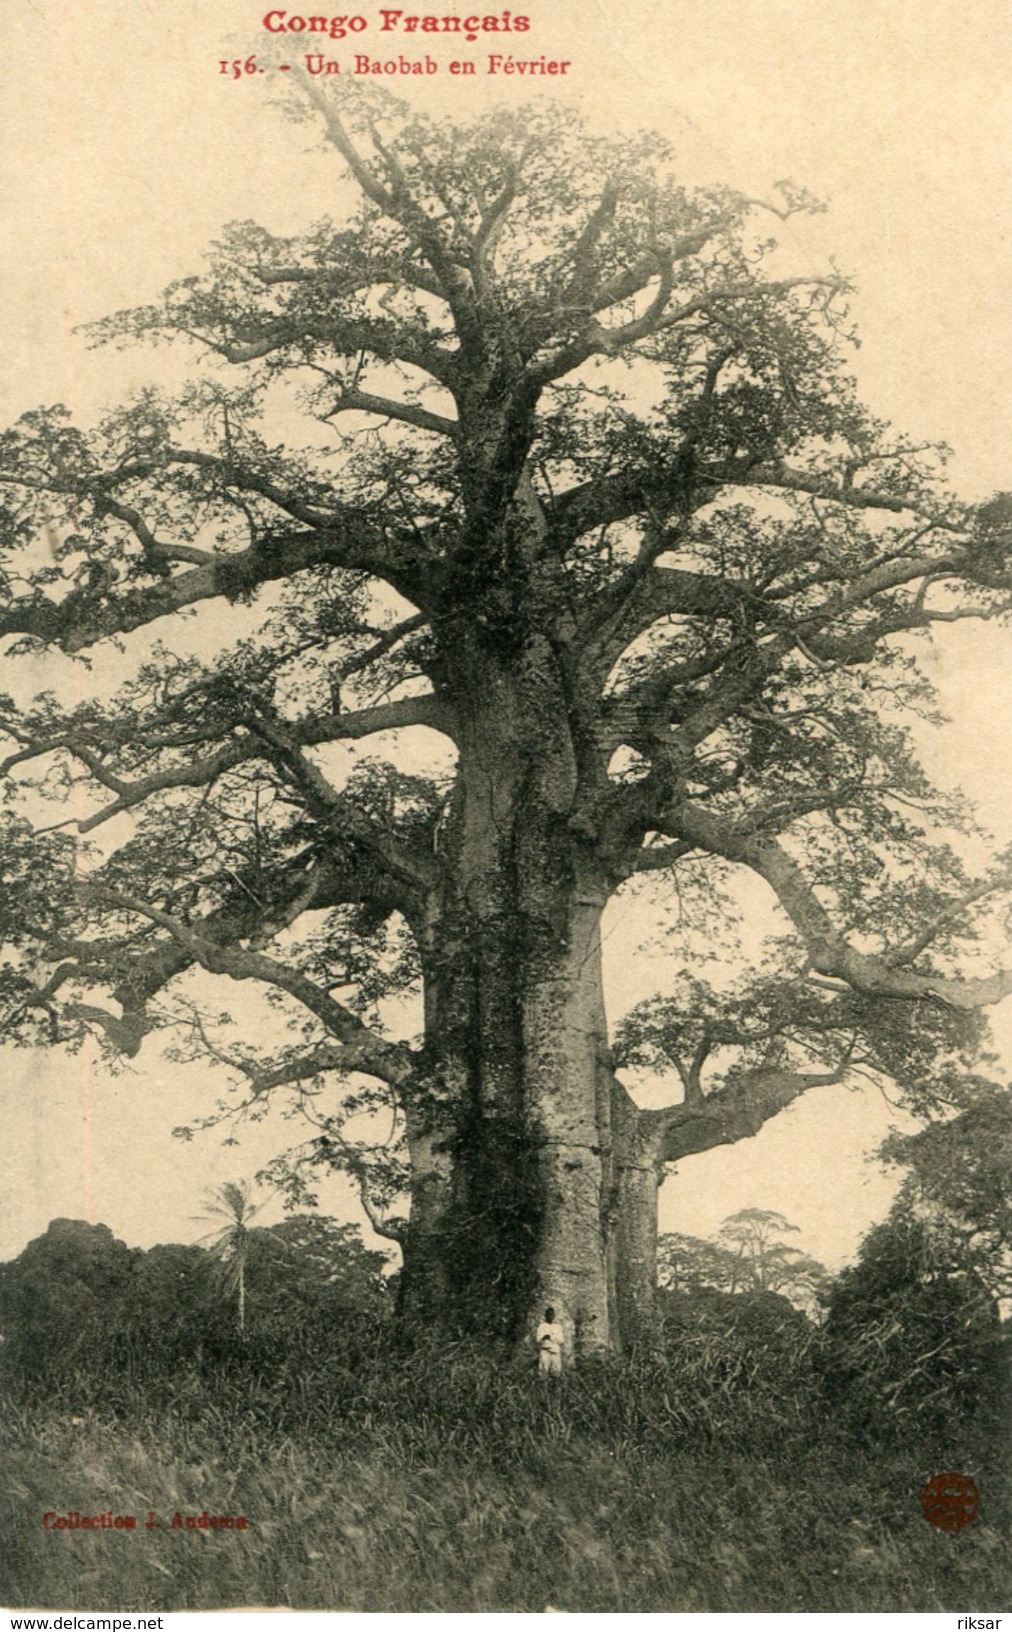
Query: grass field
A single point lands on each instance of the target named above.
(446, 1481)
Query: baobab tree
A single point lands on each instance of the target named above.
(563, 557)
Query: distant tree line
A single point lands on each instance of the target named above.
(749, 1254)
(77, 1297)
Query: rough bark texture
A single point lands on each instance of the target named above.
(564, 1036)
(634, 1213)
(515, 1017)
(425, 1286)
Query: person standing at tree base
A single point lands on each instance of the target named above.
(549, 1339)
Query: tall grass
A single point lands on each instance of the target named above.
(377, 1474)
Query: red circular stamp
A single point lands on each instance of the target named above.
(950, 1501)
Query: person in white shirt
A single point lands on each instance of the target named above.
(549, 1339)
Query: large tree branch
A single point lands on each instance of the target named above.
(353, 400)
(412, 871)
(362, 1049)
(313, 731)
(599, 339)
(83, 618)
(158, 552)
(136, 965)
(578, 290)
(839, 488)
(738, 1111)
(618, 616)
(947, 918)
(388, 187)
(346, 337)
(390, 1229)
(654, 718)
(343, 1058)
(100, 487)
(366, 276)
(654, 858)
(494, 215)
(635, 808)
(638, 489)
(829, 951)
(639, 715)
(631, 281)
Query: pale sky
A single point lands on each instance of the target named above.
(124, 150)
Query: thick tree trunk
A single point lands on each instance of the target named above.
(425, 1290)
(508, 1199)
(647, 1141)
(636, 1256)
(515, 1026)
(535, 1175)
(570, 1118)
(634, 1220)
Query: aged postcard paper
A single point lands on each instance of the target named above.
(504, 1008)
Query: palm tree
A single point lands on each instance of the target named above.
(230, 1242)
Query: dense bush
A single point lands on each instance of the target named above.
(913, 1338)
(60, 1297)
(79, 1306)
(320, 1350)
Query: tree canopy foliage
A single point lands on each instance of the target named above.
(913, 1334)
(957, 1183)
(537, 545)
